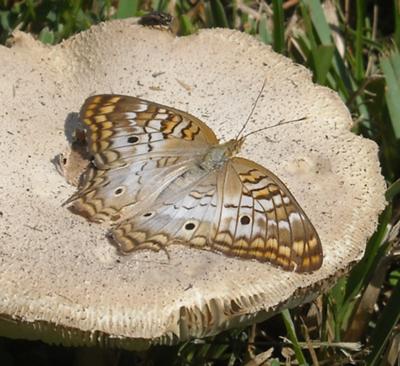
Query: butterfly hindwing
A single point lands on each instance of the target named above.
(184, 216)
(242, 210)
(104, 193)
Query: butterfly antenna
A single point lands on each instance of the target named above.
(252, 110)
(280, 123)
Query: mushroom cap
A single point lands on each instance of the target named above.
(61, 279)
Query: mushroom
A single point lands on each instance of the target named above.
(61, 280)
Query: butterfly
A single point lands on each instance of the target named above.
(163, 177)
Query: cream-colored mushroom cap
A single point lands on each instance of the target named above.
(62, 281)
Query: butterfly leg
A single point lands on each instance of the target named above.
(157, 248)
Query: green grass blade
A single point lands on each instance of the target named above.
(393, 190)
(160, 5)
(343, 76)
(47, 36)
(127, 9)
(323, 56)
(319, 21)
(279, 26)
(218, 14)
(186, 26)
(336, 300)
(291, 332)
(391, 69)
(322, 61)
(396, 35)
(384, 327)
(4, 21)
(308, 26)
(359, 44)
(318, 32)
(265, 34)
(360, 272)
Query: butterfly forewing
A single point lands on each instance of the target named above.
(124, 129)
(269, 225)
(134, 143)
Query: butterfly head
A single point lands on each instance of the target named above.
(232, 147)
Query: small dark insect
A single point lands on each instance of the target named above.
(156, 18)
